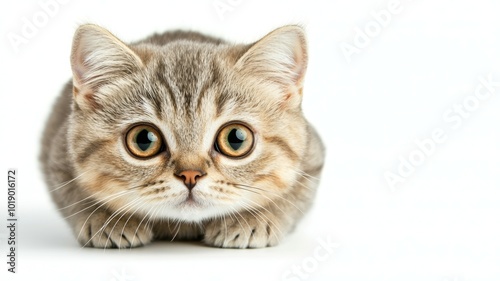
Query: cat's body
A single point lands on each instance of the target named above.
(182, 136)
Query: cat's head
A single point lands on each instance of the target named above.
(189, 130)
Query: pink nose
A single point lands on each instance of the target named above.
(189, 177)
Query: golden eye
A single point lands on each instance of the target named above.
(144, 141)
(234, 140)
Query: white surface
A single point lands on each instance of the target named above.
(442, 224)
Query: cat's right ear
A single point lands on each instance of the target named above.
(98, 58)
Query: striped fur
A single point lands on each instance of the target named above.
(187, 85)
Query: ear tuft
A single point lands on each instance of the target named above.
(280, 57)
(98, 57)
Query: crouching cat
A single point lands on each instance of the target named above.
(182, 136)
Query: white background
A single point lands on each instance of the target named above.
(441, 224)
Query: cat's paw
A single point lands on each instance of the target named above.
(99, 231)
(245, 230)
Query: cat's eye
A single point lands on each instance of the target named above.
(144, 141)
(234, 140)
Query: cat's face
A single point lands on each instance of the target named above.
(188, 130)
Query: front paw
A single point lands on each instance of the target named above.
(101, 229)
(244, 230)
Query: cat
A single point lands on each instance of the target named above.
(182, 136)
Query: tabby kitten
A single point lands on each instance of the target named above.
(182, 136)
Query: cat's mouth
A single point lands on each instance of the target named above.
(190, 202)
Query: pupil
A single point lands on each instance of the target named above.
(235, 138)
(144, 139)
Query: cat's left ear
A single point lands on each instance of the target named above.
(280, 57)
(98, 58)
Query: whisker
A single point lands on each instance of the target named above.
(149, 221)
(105, 224)
(178, 225)
(302, 184)
(126, 222)
(306, 175)
(140, 223)
(126, 208)
(80, 201)
(168, 225)
(255, 212)
(249, 190)
(86, 198)
(254, 187)
(270, 199)
(68, 182)
(85, 223)
(225, 229)
(116, 195)
(272, 192)
(91, 195)
(237, 213)
(251, 210)
(266, 218)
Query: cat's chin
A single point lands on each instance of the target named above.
(190, 204)
(191, 211)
